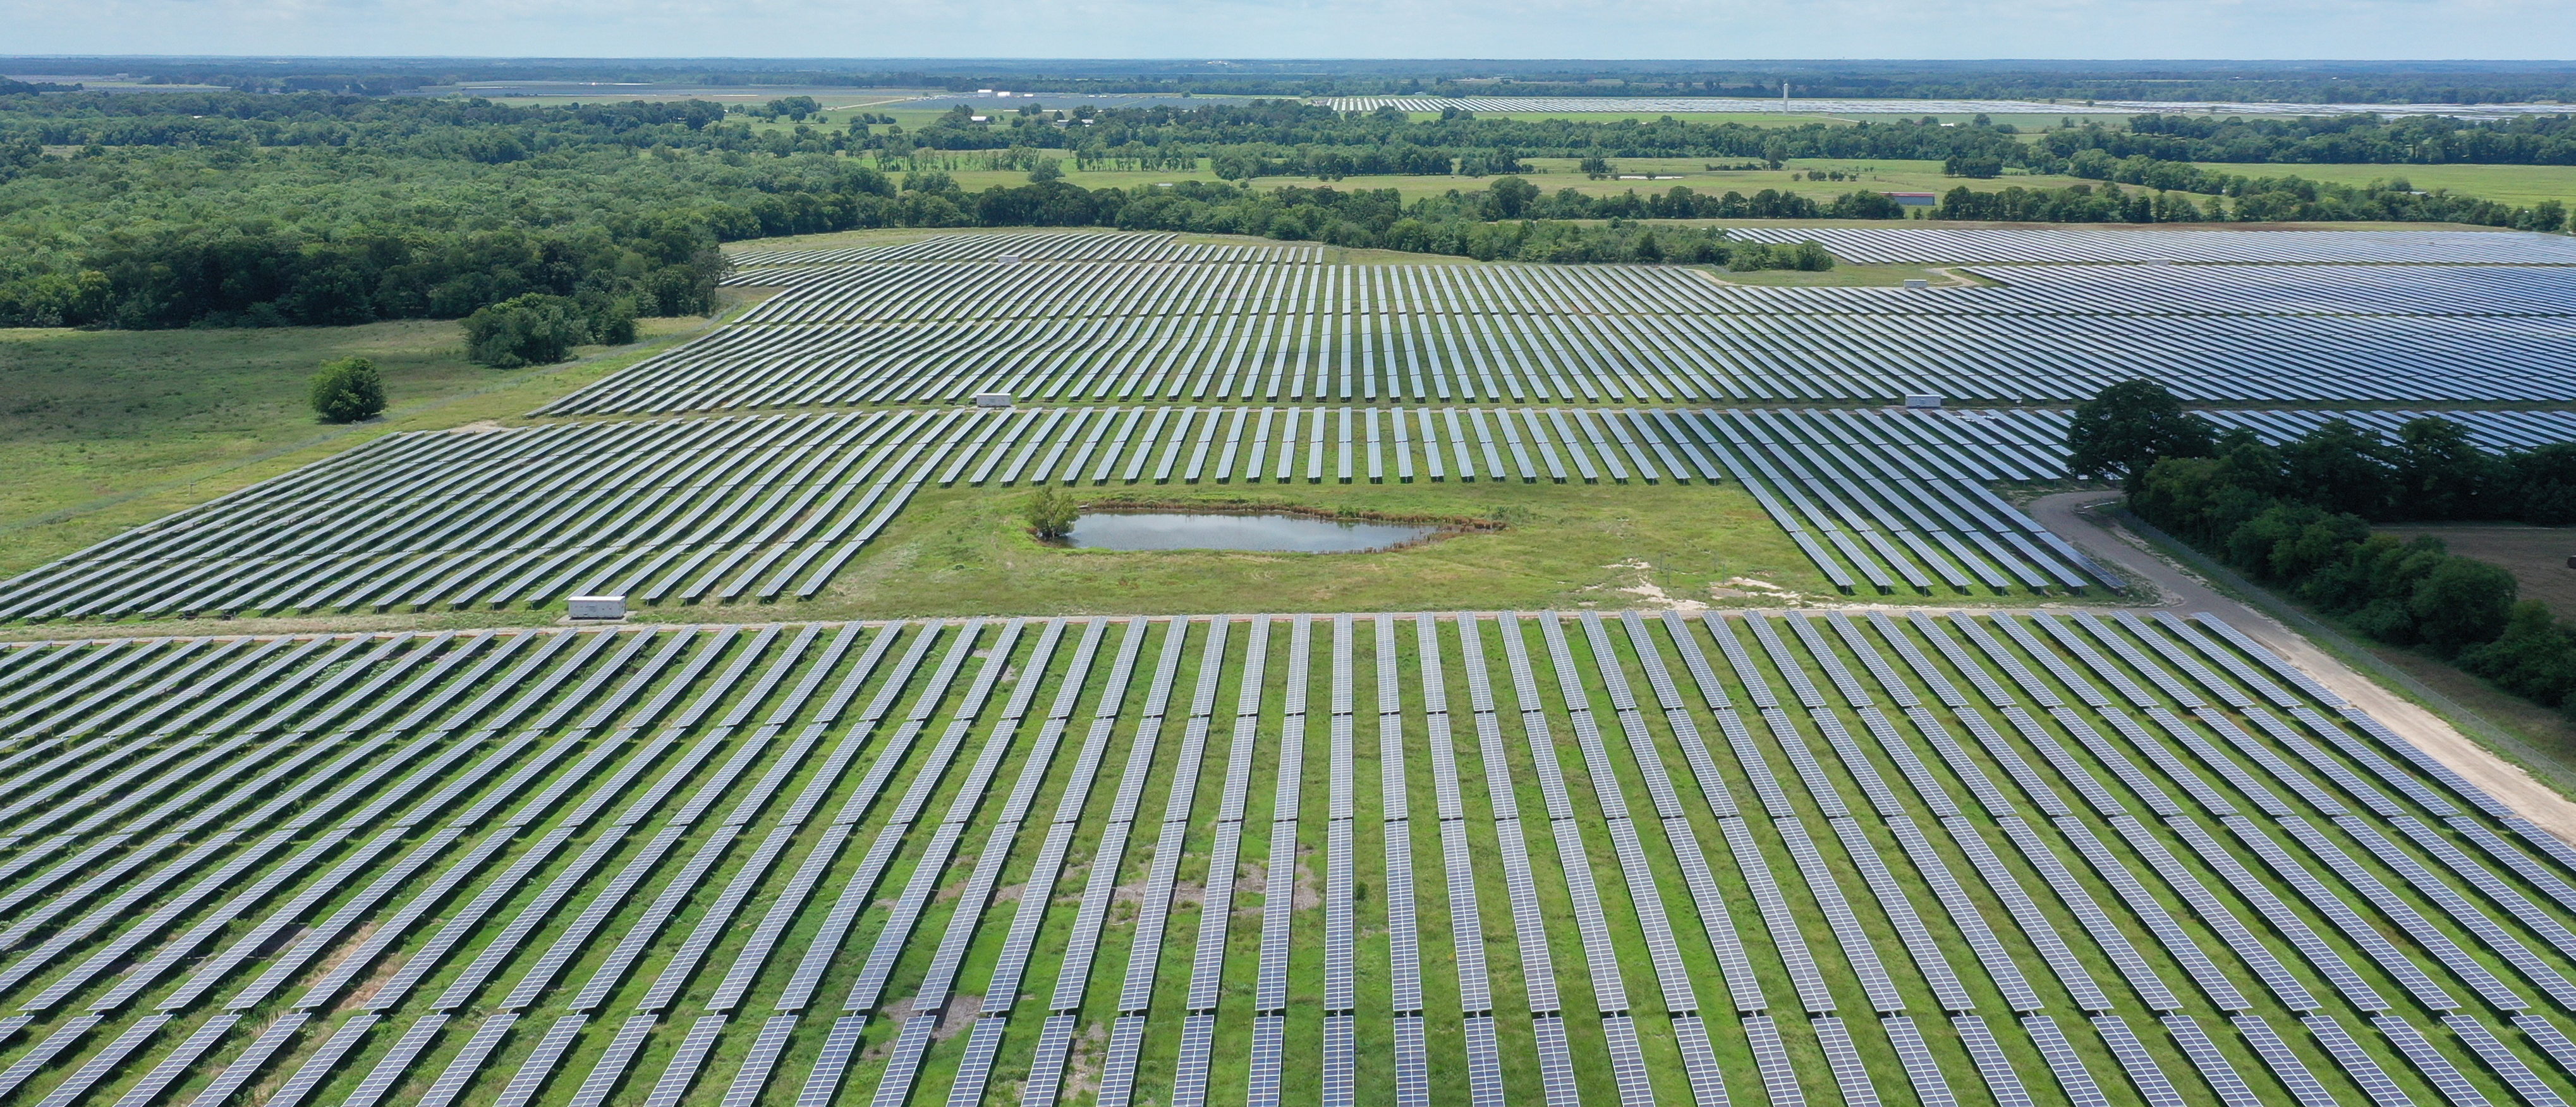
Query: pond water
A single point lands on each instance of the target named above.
(1140, 530)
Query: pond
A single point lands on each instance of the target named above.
(1141, 530)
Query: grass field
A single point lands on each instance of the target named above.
(2504, 184)
(106, 429)
(1553, 174)
(967, 551)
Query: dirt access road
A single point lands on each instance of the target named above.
(2183, 592)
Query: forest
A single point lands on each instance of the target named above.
(306, 208)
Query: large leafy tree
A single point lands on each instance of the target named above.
(2126, 428)
(348, 390)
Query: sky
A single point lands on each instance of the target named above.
(2213, 29)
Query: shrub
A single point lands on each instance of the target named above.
(1052, 512)
(348, 390)
(534, 329)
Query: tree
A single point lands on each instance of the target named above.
(348, 390)
(794, 107)
(2342, 467)
(2462, 602)
(1598, 167)
(1046, 170)
(1511, 195)
(1052, 512)
(2126, 428)
(533, 329)
(2441, 473)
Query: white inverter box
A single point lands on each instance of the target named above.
(597, 607)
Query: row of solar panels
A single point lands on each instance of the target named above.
(641, 665)
(1249, 280)
(980, 247)
(760, 507)
(1594, 358)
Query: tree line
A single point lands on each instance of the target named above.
(2326, 140)
(2298, 516)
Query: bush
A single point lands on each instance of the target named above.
(348, 390)
(534, 329)
(2461, 603)
(1052, 512)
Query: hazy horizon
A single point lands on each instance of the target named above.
(2216, 30)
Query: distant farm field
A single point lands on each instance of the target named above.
(2504, 184)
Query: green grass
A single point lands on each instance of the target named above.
(960, 551)
(2504, 184)
(102, 430)
(1553, 174)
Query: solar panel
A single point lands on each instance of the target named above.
(540, 1065)
(611, 1069)
(1475, 987)
(1777, 918)
(1844, 1061)
(2550, 1039)
(1599, 953)
(105, 1061)
(692, 1054)
(396, 1061)
(1269, 1045)
(1555, 1062)
(1931, 1089)
(1485, 1064)
(2287, 923)
(308, 1077)
(2214, 1068)
(1046, 1068)
(2395, 909)
(1117, 1073)
(245, 1065)
(177, 1062)
(2080, 903)
(452, 1080)
(1341, 1062)
(975, 1068)
(2043, 936)
(1858, 952)
(753, 1076)
(1771, 1061)
(2435, 1068)
(1699, 1061)
(1988, 1055)
(2064, 1062)
(1404, 941)
(2355, 1061)
(2494, 937)
(1412, 1063)
(1340, 987)
(1190, 1075)
(1918, 939)
(1627, 1061)
(2147, 1076)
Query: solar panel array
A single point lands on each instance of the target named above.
(1252, 328)
(1982, 245)
(462, 848)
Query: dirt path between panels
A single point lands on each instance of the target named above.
(2184, 593)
